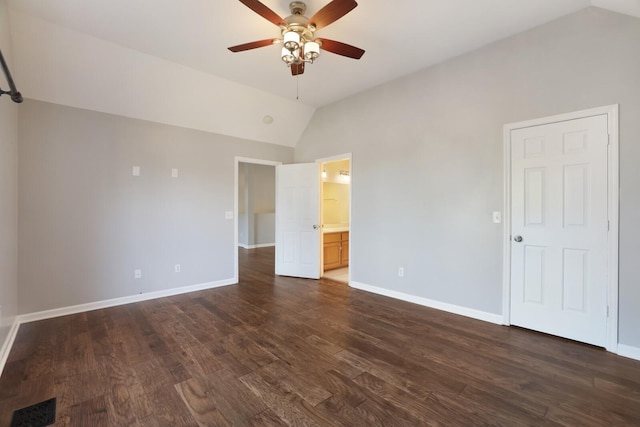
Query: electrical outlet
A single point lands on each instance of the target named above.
(177, 268)
(137, 274)
(400, 271)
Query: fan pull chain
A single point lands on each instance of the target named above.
(298, 87)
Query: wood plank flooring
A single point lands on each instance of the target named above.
(276, 351)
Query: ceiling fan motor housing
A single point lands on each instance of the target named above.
(297, 8)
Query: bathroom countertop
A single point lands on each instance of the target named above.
(332, 229)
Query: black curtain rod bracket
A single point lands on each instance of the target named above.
(12, 92)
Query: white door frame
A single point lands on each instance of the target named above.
(319, 162)
(238, 160)
(613, 189)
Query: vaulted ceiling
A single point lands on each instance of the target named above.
(167, 60)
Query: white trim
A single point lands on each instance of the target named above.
(336, 158)
(8, 344)
(237, 161)
(506, 228)
(450, 308)
(613, 179)
(629, 351)
(263, 245)
(613, 205)
(257, 161)
(81, 308)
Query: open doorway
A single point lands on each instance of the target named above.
(254, 205)
(336, 218)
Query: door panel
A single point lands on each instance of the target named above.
(297, 213)
(575, 197)
(574, 282)
(559, 208)
(534, 191)
(534, 257)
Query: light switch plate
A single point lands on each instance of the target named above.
(497, 217)
(135, 171)
(174, 173)
(228, 215)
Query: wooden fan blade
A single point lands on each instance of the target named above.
(332, 12)
(252, 45)
(340, 48)
(264, 11)
(297, 69)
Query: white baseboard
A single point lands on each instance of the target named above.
(451, 308)
(629, 351)
(8, 343)
(262, 245)
(623, 350)
(57, 312)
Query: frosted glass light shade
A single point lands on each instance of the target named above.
(291, 40)
(311, 50)
(287, 56)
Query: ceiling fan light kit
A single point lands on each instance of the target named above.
(298, 33)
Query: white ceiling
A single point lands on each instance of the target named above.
(400, 37)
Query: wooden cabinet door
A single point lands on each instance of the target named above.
(336, 250)
(345, 253)
(332, 255)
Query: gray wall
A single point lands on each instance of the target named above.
(427, 156)
(8, 190)
(262, 181)
(86, 223)
(256, 204)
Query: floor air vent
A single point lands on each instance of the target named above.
(38, 415)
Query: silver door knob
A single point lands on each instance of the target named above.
(518, 239)
(316, 226)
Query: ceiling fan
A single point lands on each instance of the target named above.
(299, 43)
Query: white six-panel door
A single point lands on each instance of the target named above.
(559, 228)
(297, 220)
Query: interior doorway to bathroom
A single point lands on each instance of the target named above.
(335, 207)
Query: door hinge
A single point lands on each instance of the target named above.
(608, 225)
(608, 139)
(607, 311)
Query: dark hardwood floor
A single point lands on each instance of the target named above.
(282, 351)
